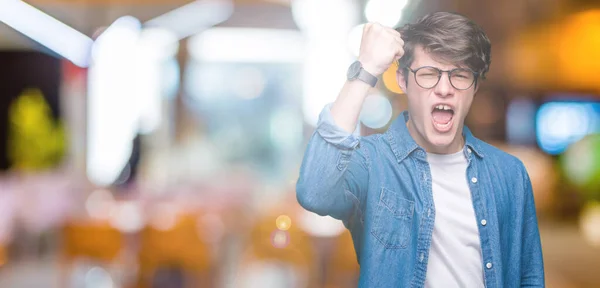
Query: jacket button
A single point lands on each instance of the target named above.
(488, 265)
(474, 180)
(483, 222)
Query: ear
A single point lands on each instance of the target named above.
(401, 80)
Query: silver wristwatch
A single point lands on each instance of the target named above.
(356, 71)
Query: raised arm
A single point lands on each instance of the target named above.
(380, 47)
(334, 173)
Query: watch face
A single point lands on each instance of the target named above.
(354, 70)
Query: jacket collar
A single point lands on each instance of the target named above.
(403, 144)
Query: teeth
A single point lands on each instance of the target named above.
(443, 107)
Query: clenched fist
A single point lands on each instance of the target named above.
(379, 48)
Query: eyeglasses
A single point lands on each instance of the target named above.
(460, 78)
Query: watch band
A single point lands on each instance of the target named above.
(366, 77)
(356, 71)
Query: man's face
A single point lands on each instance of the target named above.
(437, 130)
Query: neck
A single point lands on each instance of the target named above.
(455, 146)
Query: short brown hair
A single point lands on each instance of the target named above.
(450, 37)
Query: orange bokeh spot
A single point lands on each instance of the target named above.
(390, 81)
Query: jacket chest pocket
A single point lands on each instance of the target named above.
(393, 220)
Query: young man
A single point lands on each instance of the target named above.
(427, 203)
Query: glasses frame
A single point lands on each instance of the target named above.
(441, 72)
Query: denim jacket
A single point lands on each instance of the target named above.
(380, 187)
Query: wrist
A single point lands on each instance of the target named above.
(372, 69)
(357, 71)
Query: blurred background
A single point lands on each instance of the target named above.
(157, 143)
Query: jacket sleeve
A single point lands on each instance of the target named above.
(334, 172)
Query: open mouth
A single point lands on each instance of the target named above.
(442, 116)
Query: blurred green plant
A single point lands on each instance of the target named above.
(581, 166)
(35, 140)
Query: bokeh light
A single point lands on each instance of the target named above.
(280, 239)
(581, 163)
(127, 217)
(376, 111)
(390, 80)
(164, 216)
(323, 17)
(589, 223)
(117, 107)
(385, 12)
(520, 121)
(99, 204)
(97, 277)
(259, 274)
(158, 43)
(577, 49)
(283, 222)
(260, 45)
(560, 124)
(125, 30)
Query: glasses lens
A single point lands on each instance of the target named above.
(462, 79)
(427, 77)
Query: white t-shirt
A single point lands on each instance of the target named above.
(455, 255)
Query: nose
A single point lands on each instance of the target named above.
(444, 88)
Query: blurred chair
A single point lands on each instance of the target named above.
(270, 251)
(178, 251)
(95, 241)
(342, 267)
